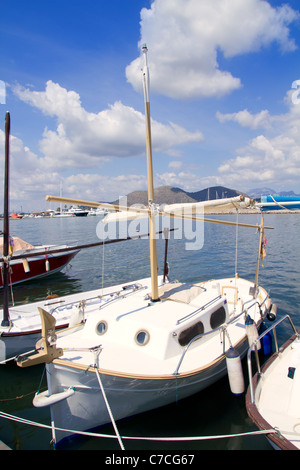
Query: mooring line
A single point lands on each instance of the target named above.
(140, 438)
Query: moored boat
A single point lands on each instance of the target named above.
(148, 354)
(272, 399)
(14, 215)
(28, 262)
(78, 212)
(69, 312)
(159, 342)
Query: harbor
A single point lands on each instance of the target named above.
(168, 319)
(215, 411)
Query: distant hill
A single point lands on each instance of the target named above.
(172, 195)
(256, 193)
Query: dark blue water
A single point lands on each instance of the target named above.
(212, 412)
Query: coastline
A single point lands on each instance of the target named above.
(248, 211)
(253, 211)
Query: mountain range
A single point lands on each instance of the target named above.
(173, 195)
(258, 192)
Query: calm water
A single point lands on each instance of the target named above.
(212, 412)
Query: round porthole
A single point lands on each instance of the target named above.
(101, 328)
(142, 337)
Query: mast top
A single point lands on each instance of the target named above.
(146, 74)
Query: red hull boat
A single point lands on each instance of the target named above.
(28, 262)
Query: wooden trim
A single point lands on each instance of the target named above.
(254, 414)
(183, 375)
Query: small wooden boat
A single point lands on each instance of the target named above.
(272, 399)
(28, 262)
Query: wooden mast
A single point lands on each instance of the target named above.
(5, 265)
(153, 252)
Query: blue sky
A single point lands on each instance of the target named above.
(223, 107)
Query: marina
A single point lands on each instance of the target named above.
(214, 411)
(125, 350)
(170, 321)
(162, 341)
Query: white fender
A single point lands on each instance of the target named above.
(44, 399)
(235, 372)
(252, 333)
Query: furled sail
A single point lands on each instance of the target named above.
(184, 209)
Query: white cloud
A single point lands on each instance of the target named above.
(175, 164)
(80, 146)
(83, 139)
(2, 92)
(184, 37)
(246, 119)
(269, 158)
(187, 180)
(30, 182)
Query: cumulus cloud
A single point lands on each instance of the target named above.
(188, 180)
(246, 119)
(83, 139)
(29, 182)
(184, 38)
(271, 157)
(81, 143)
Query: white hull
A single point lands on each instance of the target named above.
(274, 403)
(127, 396)
(137, 379)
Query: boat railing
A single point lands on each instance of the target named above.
(203, 307)
(221, 329)
(254, 348)
(103, 300)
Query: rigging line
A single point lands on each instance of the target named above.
(277, 203)
(11, 289)
(236, 254)
(109, 436)
(236, 240)
(108, 408)
(103, 265)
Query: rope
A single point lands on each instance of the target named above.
(236, 256)
(102, 266)
(15, 357)
(276, 202)
(108, 409)
(236, 242)
(139, 438)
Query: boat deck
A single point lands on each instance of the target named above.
(162, 322)
(282, 408)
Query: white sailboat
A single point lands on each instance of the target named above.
(151, 345)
